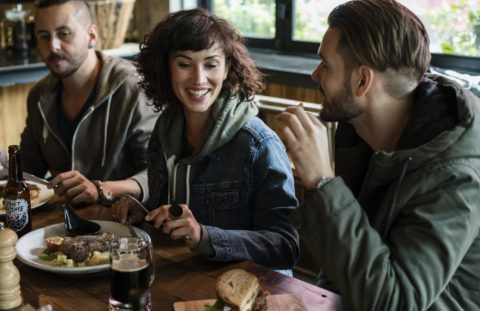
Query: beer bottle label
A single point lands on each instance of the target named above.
(16, 214)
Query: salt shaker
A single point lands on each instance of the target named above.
(10, 296)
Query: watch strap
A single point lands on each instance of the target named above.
(323, 181)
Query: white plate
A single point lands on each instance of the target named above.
(33, 243)
(44, 195)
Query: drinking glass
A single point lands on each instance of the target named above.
(132, 273)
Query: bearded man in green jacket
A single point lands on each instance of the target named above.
(396, 227)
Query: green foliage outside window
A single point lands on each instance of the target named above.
(309, 22)
(253, 18)
(456, 25)
(453, 25)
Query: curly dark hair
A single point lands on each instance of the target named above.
(195, 30)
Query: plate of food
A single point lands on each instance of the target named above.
(49, 249)
(238, 289)
(39, 194)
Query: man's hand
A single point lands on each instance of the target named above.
(75, 187)
(306, 139)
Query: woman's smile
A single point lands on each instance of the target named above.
(197, 77)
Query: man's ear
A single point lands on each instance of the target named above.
(92, 34)
(362, 78)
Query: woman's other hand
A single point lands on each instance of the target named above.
(183, 227)
(125, 210)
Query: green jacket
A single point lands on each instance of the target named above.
(400, 230)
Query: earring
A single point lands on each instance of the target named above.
(91, 45)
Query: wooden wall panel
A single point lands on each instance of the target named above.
(146, 15)
(13, 113)
(295, 93)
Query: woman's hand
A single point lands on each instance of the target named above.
(183, 227)
(125, 210)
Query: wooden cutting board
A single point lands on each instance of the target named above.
(281, 302)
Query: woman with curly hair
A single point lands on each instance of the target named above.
(209, 152)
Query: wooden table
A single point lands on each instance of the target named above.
(180, 275)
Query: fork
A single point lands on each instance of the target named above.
(139, 204)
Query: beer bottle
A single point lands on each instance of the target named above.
(16, 198)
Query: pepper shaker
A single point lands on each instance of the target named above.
(10, 296)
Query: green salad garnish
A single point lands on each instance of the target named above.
(46, 255)
(218, 306)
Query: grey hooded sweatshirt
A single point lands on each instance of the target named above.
(109, 143)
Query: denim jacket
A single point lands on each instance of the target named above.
(241, 193)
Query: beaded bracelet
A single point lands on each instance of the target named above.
(102, 194)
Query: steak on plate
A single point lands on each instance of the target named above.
(80, 247)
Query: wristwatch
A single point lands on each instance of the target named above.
(102, 194)
(323, 181)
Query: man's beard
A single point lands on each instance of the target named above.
(340, 107)
(73, 65)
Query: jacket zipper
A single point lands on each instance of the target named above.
(50, 129)
(89, 112)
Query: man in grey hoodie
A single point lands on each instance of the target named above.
(396, 227)
(88, 122)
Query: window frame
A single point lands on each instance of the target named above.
(283, 41)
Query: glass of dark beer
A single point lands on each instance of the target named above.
(132, 273)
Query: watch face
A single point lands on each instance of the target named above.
(324, 181)
(107, 195)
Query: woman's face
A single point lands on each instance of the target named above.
(197, 77)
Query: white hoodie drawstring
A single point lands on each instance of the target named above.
(174, 182)
(170, 164)
(105, 131)
(45, 133)
(187, 181)
(172, 179)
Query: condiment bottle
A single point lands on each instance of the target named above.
(16, 197)
(15, 30)
(10, 296)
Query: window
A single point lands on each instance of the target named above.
(260, 25)
(298, 26)
(177, 5)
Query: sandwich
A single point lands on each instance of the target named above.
(238, 290)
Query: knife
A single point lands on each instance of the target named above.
(34, 178)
